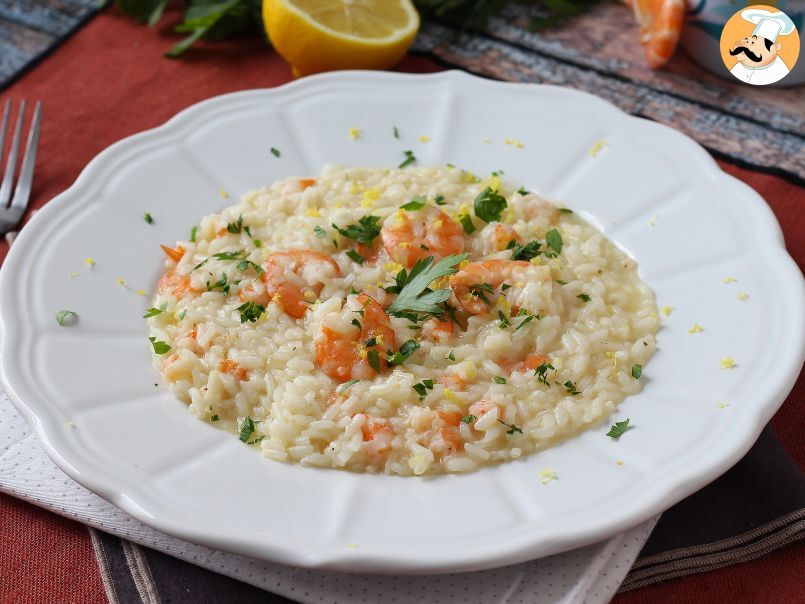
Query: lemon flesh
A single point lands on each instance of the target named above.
(326, 35)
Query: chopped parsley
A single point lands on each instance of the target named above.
(542, 373)
(466, 224)
(396, 132)
(525, 252)
(151, 312)
(214, 418)
(181, 315)
(565, 210)
(193, 232)
(356, 323)
(489, 205)
(246, 429)
(66, 317)
(468, 419)
(528, 319)
(554, 240)
(319, 232)
(571, 388)
(440, 200)
(235, 227)
(374, 359)
(346, 386)
(355, 256)
(250, 312)
(618, 428)
(370, 342)
(511, 427)
(256, 440)
(417, 203)
(275, 152)
(236, 255)
(451, 355)
(560, 282)
(637, 371)
(245, 264)
(522, 191)
(504, 322)
(160, 347)
(148, 218)
(410, 158)
(363, 232)
(406, 350)
(504, 287)
(413, 293)
(479, 290)
(584, 297)
(222, 283)
(423, 387)
(499, 380)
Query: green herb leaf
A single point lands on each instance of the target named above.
(374, 359)
(409, 159)
(193, 232)
(319, 232)
(256, 440)
(554, 240)
(522, 191)
(250, 312)
(618, 428)
(160, 347)
(440, 200)
(542, 372)
(406, 350)
(148, 218)
(246, 429)
(560, 282)
(396, 133)
(341, 389)
(355, 256)
(468, 419)
(489, 205)
(511, 427)
(565, 210)
(451, 355)
(235, 227)
(637, 371)
(214, 418)
(504, 322)
(245, 264)
(181, 315)
(275, 152)
(571, 388)
(66, 317)
(527, 320)
(153, 312)
(414, 294)
(236, 255)
(365, 231)
(417, 203)
(466, 224)
(584, 297)
(526, 252)
(499, 380)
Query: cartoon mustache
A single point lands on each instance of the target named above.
(752, 56)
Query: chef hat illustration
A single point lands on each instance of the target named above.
(769, 25)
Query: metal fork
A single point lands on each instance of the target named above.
(10, 214)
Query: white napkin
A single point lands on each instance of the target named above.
(590, 574)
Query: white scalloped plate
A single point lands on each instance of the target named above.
(140, 449)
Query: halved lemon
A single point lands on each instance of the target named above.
(326, 35)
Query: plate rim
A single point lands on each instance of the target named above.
(743, 433)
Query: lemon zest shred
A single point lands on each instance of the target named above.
(313, 213)
(597, 147)
(424, 139)
(742, 296)
(729, 280)
(667, 310)
(546, 476)
(354, 133)
(513, 142)
(223, 193)
(723, 405)
(695, 329)
(89, 261)
(653, 220)
(727, 363)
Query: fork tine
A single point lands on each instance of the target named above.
(8, 177)
(23, 190)
(4, 125)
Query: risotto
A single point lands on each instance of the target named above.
(407, 321)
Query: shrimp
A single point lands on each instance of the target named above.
(293, 279)
(660, 27)
(175, 284)
(377, 435)
(495, 237)
(347, 352)
(438, 329)
(412, 236)
(529, 363)
(472, 283)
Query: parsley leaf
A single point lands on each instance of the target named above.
(489, 205)
(637, 371)
(584, 297)
(182, 314)
(237, 255)
(66, 317)
(527, 320)
(416, 203)
(409, 159)
(554, 240)
(396, 132)
(511, 427)
(571, 388)
(355, 256)
(565, 210)
(468, 419)
(617, 430)
(235, 227)
(346, 386)
(504, 322)
(526, 252)
(466, 223)
(479, 290)
(374, 359)
(451, 355)
(414, 294)
(499, 380)
(214, 418)
(439, 199)
(406, 350)
(193, 232)
(422, 388)
(246, 429)
(275, 152)
(542, 373)
(152, 312)
(319, 232)
(160, 347)
(245, 264)
(363, 232)
(148, 218)
(222, 283)
(522, 191)
(250, 311)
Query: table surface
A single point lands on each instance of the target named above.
(109, 81)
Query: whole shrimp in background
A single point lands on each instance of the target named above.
(412, 236)
(344, 350)
(660, 27)
(294, 279)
